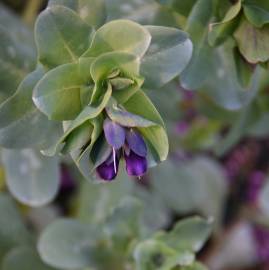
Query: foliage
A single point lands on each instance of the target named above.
(112, 80)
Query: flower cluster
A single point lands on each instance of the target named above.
(127, 143)
(99, 69)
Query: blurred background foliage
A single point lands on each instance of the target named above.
(216, 116)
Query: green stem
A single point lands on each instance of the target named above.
(31, 11)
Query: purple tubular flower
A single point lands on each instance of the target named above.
(135, 164)
(114, 133)
(108, 170)
(136, 143)
(126, 141)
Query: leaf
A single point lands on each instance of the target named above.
(91, 11)
(105, 64)
(155, 135)
(183, 179)
(257, 12)
(188, 234)
(26, 257)
(253, 42)
(152, 254)
(67, 244)
(200, 65)
(169, 53)
(144, 12)
(247, 117)
(105, 198)
(124, 223)
(17, 52)
(127, 119)
(221, 30)
(88, 113)
(35, 179)
(13, 232)
(77, 139)
(182, 7)
(120, 35)
(18, 116)
(61, 36)
(229, 94)
(57, 94)
(244, 70)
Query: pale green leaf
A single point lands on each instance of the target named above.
(253, 42)
(18, 116)
(188, 234)
(91, 11)
(67, 244)
(61, 36)
(31, 178)
(57, 94)
(169, 53)
(120, 35)
(26, 257)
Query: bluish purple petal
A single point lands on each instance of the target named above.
(135, 164)
(114, 133)
(106, 170)
(136, 143)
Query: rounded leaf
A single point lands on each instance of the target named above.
(169, 53)
(57, 94)
(61, 36)
(120, 35)
(107, 63)
(31, 178)
(66, 244)
(24, 257)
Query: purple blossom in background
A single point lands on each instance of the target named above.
(182, 127)
(67, 181)
(261, 236)
(255, 183)
(240, 161)
(125, 142)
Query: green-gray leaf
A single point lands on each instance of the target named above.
(58, 93)
(169, 53)
(120, 35)
(61, 36)
(17, 52)
(188, 234)
(35, 179)
(155, 135)
(200, 66)
(91, 11)
(12, 230)
(67, 244)
(18, 116)
(26, 257)
(156, 255)
(253, 42)
(221, 30)
(257, 11)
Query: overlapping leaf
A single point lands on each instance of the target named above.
(61, 36)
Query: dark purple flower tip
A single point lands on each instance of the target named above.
(136, 143)
(114, 133)
(135, 164)
(108, 170)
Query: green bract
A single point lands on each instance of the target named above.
(93, 74)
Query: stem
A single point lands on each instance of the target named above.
(31, 11)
